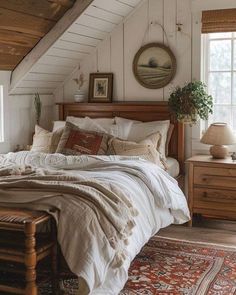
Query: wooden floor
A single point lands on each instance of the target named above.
(216, 232)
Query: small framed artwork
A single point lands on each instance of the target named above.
(154, 66)
(100, 87)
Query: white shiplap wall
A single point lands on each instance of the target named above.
(115, 54)
(74, 45)
(19, 116)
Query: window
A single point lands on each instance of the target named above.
(1, 115)
(219, 58)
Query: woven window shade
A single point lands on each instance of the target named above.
(216, 21)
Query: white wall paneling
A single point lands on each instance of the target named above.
(117, 51)
(71, 41)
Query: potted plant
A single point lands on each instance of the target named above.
(191, 102)
(38, 107)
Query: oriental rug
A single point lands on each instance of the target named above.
(173, 267)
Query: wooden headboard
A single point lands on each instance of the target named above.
(142, 111)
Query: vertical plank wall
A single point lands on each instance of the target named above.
(116, 53)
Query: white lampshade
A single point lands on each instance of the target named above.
(219, 134)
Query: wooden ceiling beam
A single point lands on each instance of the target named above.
(47, 9)
(45, 43)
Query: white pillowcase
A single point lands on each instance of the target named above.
(98, 124)
(140, 130)
(58, 125)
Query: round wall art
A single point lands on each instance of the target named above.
(154, 65)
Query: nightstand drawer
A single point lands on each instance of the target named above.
(215, 176)
(215, 199)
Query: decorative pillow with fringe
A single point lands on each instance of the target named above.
(76, 141)
(145, 149)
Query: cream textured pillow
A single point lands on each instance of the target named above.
(140, 131)
(145, 149)
(45, 141)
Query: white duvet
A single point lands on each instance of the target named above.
(151, 190)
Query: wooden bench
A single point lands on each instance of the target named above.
(22, 247)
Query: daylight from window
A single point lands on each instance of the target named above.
(1, 114)
(220, 75)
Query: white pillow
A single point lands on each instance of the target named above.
(120, 120)
(103, 122)
(58, 125)
(140, 131)
(124, 127)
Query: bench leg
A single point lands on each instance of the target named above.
(30, 259)
(55, 283)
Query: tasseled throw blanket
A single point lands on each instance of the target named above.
(75, 203)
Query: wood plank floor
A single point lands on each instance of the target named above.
(220, 233)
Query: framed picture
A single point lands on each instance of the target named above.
(154, 65)
(100, 87)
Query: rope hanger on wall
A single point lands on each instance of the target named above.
(147, 31)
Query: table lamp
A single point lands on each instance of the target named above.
(219, 135)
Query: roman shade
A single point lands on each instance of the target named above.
(216, 21)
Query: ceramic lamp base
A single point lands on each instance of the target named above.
(219, 151)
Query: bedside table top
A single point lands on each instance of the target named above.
(210, 160)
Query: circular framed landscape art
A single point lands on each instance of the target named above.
(154, 65)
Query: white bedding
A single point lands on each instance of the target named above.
(172, 166)
(153, 192)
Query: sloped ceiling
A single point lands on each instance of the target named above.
(23, 23)
(44, 70)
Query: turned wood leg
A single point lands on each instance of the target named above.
(55, 278)
(54, 270)
(30, 259)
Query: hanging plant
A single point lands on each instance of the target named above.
(38, 107)
(191, 102)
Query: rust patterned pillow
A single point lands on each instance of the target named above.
(76, 141)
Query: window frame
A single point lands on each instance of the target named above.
(5, 81)
(205, 38)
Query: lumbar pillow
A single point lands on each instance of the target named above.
(145, 149)
(45, 141)
(76, 141)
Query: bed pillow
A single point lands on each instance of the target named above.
(76, 141)
(168, 138)
(45, 141)
(145, 149)
(58, 125)
(124, 126)
(140, 131)
(105, 123)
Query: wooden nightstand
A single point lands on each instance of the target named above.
(212, 187)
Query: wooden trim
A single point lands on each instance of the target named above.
(142, 111)
(45, 43)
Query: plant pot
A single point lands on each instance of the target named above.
(79, 96)
(190, 119)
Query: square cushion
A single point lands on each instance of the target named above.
(140, 131)
(45, 141)
(145, 149)
(76, 141)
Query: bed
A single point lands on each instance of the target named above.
(106, 207)
(141, 111)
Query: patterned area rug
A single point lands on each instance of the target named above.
(171, 267)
